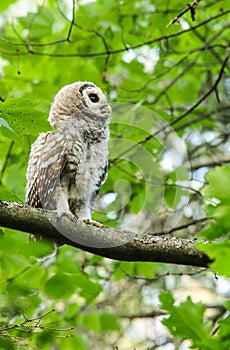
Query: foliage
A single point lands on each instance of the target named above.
(217, 194)
(168, 171)
(187, 321)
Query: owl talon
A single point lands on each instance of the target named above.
(35, 238)
(69, 216)
(92, 222)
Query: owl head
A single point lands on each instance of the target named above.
(79, 97)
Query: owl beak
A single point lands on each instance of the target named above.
(108, 109)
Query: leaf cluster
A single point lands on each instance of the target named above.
(168, 170)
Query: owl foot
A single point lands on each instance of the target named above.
(92, 222)
(70, 216)
(35, 238)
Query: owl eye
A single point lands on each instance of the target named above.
(94, 98)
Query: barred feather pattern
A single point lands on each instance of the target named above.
(68, 166)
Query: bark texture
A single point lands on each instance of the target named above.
(107, 242)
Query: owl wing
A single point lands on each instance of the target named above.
(46, 163)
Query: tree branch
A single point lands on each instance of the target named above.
(210, 162)
(191, 7)
(107, 242)
(214, 87)
(29, 46)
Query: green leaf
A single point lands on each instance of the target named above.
(39, 25)
(186, 320)
(109, 322)
(45, 338)
(217, 195)
(6, 194)
(61, 286)
(137, 269)
(11, 264)
(23, 116)
(218, 184)
(223, 332)
(88, 290)
(6, 343)
(38, 249)
(5, 124)
(220, 252)
(34, 277)
(167, 300)
(4, 4)
(92, 321)
(77, 341)
(215, 230)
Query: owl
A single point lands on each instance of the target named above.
(67, 166)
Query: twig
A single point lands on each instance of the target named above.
(191, 7)
(102, 53)
(72, 22)
(222, 159)
(175, 121)
(182, 227)
(6, 161)
(158, 277)
(26, 321)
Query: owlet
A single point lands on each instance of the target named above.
(68, 166)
